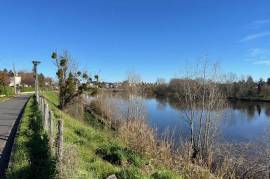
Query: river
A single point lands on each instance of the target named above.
(241, 121)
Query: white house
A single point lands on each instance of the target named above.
(18, 80)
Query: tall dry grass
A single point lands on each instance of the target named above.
(137, 135)
(66, 166)
(75, 108)
(103, 107)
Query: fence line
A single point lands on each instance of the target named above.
(48, 123)
(59, 152)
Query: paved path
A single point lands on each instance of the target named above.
(10, 113)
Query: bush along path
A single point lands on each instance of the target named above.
(32, 157)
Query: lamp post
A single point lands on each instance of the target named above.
(14, 79)
(36, 63)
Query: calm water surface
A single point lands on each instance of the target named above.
(241, 121)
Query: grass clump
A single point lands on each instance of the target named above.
(164, 174)
(129, 173)
(93, 121)
(118, 155)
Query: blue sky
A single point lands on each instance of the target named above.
(155, 38)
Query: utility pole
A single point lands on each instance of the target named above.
(14, 76)
(35, 63)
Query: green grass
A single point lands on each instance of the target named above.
(99, 152)
(31, 158)
(87, 141)
(164, 174)
(119, 155)
(52, 97)
(6, 90)
(27, 89)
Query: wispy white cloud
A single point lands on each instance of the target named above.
(258, 52)
(262, 62)
(255, 36)
(258, 23)
(259, 56)
(261, 22)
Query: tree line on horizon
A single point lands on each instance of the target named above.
(245, 88)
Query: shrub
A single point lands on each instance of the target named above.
(6, 90)
(114, 155)
(139, 136)
(118, 155)
(102, 106)
(164, 174)
(129, 173)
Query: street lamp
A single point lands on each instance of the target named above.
(36, 63)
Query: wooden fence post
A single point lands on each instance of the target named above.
(41, 104)
(50, 122)
(44, 106)
(39, 101)
(59, 151)
(46, 116)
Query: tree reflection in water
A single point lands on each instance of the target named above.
(251, 108)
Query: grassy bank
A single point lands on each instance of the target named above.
(91, 151)
(31, 158)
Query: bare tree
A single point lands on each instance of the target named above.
(133, 77)
(160, 81)
(133, 80)
(203, 101)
